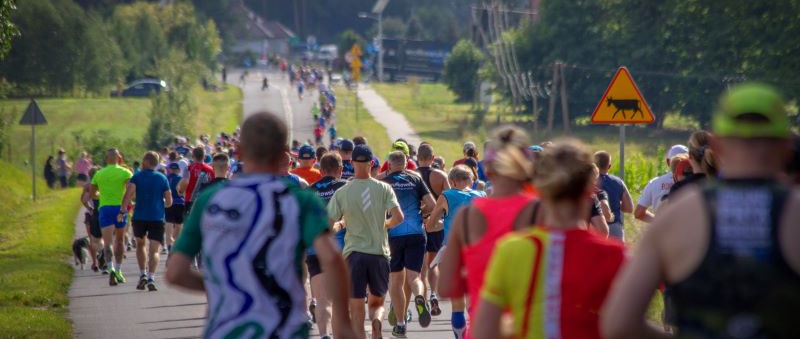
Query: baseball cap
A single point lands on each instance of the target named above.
(535, 148)
(174, 165)
(306, 152)
(400, 146)
(677, 149)
(469, 145)
(751, 110)
(346, 145)
(362, 153)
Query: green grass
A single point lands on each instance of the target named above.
(69, 119)
(348, 127)
(35, 242)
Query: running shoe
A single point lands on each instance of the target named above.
(422, 311)
(435, 310)
(311, 308)
(399, 331)
(458, 332)
(118, 275)
(142, 282)
(392, 318)
(112, 278)
(408, 316)
(151, 285)
(377, 328)
(94, 268)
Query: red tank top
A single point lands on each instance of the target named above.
(500, 214)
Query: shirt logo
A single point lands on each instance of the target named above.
(366, 200)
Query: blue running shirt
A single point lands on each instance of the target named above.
(409, 189)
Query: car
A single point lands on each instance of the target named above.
(143, 88)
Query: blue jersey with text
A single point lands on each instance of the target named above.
(347, 169)
(325, 188)
(409, 189)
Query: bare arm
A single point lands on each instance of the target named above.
(600, 225)
(626, 204)
(85, 198)
(167, 198)
(606, 209)
(182, 185)
(337, 283)
(643, 214)
(130, 192)
(451, 281)
(427, 203)
(438, 211)
(489, 326)
(397, 217)
(180, 273)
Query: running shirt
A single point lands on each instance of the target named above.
(455, 200)
(655, 189)
(173, 180)
(252, 232)
(364, 203)
(348, 171)
(615, 188)
(409, 190)
(198, 172)
(554, 282)
(111, 181)
(150, 188)
(325, 188)
(425, 173)
(310, 174)
(743, 287)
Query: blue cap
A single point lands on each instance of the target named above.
(174, 165)
(535, 148)
(362, 153)
(306, 152)
(346, 145)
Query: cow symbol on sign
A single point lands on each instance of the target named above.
(623, 105)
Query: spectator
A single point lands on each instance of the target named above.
(657, 188)
(619, 199)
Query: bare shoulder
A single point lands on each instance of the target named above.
(680, 233)
(790, 229)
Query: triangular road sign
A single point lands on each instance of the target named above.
(33, 115)
(622, 103)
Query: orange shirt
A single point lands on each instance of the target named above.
(309, 174)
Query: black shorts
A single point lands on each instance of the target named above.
(368, 270)
(435, 241)
(82, 177)
(174, 214)
(408, 251)
(93, 219)
(187, 208)
(312, 262)
(153, 229)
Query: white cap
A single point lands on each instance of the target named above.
(677, 149)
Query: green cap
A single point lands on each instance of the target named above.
(751, 110)
(400, 146)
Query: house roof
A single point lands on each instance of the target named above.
(255, 27)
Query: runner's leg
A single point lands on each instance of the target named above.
(323, 308)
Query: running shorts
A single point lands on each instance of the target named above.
(108, 217)
(368, 270)
(154, 230)
(408, 251)
(94, 224)
(174, 214)
(312, 262)
(435, 241)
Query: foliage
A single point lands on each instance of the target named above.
(393, 28)
(7, 119)
(365, 126)
(461, 70)
(683, 54)
(8, 30)
(433, 23)
(349, 38)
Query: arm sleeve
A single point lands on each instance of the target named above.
(494, 287)
(313, 217)
(644, 199)
(334, 208)
(389, 197)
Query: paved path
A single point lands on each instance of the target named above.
(99, 311)
(395, 123)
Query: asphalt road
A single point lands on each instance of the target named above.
(99, 311)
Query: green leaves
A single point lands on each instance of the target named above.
(461, 69)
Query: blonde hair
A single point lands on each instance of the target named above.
(564, 170)
(700, 152)
(460, 173)
(506, 154)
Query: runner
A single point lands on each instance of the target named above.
(376, 162)
(478, 227)
(402, 146)
(436, 181)
(91, 221)
(701, 157)
(407, 244)
(363, 203)
(656, 188)
(470, 151)
(553, 276)
(733, 272)
(307, 157)
(111, 182)
(619, 199)
(152, 196)
(268, 224)
(196, 173)
(300, 88)
(346, 152)
(448, 205)
(174, 213)
(320, 306)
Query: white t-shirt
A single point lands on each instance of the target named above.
(655, 190)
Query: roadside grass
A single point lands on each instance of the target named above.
(35, 243)
(348, 127)
(70, 119)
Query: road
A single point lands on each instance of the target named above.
(99, 311)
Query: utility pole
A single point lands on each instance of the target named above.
(564, 107)
(380, 46)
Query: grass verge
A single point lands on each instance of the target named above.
(347, 126)
(35, 242)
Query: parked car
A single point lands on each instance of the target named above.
(143, 88)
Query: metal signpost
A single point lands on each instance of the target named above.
(33, 116)
(621, 99)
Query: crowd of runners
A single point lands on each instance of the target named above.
(525, 241)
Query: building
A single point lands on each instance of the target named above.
(259, 37)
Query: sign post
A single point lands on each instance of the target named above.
(622, 104)
(33, 116)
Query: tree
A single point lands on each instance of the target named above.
(8, 30)
(461, 69)
(347, 39)
(393, 28)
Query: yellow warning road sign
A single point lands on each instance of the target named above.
(355, 62)
(622, 102)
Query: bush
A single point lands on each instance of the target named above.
(461, 70)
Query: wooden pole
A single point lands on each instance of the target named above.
(33, 159)
(564, 106)
(535, 112)
(552, 105)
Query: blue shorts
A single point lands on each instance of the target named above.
(108, 217)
